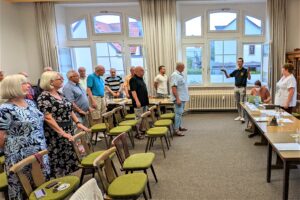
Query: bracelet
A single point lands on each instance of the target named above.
(77, 122)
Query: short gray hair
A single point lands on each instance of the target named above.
(46, 79)
(11, 86)
(178, 64)
(70, 73)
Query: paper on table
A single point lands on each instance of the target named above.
(261, 119)
(286, 120)
(287, 146)
(273, 113)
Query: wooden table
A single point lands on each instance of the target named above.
(277, 134)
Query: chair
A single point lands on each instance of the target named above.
(153, 133)
(4, 185)
(119, 113)
(135, 162)
(39, 179)
(85, 154)
(97, 126)
(170, 115)
(113, 130)
(161, 122)
(89, 190)
(128, 186)
(128, 116)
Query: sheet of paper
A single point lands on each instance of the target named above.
(286, 120)
(287, 146)
(261, 119)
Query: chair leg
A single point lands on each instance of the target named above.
(166, 139)
(93, 173)
(152, 142)
(162, 146)
(148, 143)
(153, 172)
(148, 184)
(170, 129)
(82, 175)
(105, 138)
(145, 195)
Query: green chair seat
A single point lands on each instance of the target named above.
(139, 161)
(167, 116)
(72, 180)
(163, 122)
(88, 160)
(130, 116)
(297, 115)
(157, 131)
(119, 129)
(132, 122)
(129, 185)
(98, 127)
(2, 160)
(3, 181)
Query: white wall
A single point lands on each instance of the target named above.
(19, 40)
(293, 24)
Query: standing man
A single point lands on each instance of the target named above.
(126, 84)
(82, 77)
(114, 84)
(77, 96)
(240, 76)
(179, 95)
(95, 90)
(161, 83)
(140, 100)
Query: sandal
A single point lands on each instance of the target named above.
(139, 137)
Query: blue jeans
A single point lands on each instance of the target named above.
(178, 114)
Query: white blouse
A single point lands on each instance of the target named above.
(282, 90)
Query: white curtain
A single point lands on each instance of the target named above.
(159, 26)
(45, 14)
(276, 21)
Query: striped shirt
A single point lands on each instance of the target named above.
(114, 83)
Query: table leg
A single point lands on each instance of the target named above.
(262, 142)
(286, 174)
(269, 163)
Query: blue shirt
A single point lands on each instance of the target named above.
(178, 80)
(76, 94)
(96, 84)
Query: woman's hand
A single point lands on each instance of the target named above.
(68, 136)
(82, 127)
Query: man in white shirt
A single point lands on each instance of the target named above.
(82, 77)
(161, 83)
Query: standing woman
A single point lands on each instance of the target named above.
(21, 129)
(59, 127)
(286, 89)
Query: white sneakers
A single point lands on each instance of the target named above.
(239, 119)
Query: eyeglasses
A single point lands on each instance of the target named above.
(60, 79)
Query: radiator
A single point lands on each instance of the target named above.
(211, 100)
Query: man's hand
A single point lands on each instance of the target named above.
(286, 105)
(223, 70)
(178, 102)
(138, 104)
(94, 104)
(82, 112)
(249, 70)
(115, 94)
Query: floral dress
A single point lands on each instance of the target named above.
(25, 137)
(63, 159)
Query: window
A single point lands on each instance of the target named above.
(135, 27)
(193, 27)
(136, 55)
(193, 55)
(253, 60)
(78, 29)
(265, 70)
(252, 26)
(223, 21)
(82, 58)
(65, 61)
(223, 54)
(107, 24)
(110, 56)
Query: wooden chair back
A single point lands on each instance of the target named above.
(120, 142)
(108, 119)
(104, 167)
(82, 145)
(91, 121)
(32, 164)
(152, 110)
(145, 123)
(118, 114)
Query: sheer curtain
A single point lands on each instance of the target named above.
(276, 21)
(45, 14)
(159, 25)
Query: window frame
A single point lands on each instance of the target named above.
(194, 36)
(127, 26)
(225, 11)
(69, 34)
(244, 26)
(93, 15)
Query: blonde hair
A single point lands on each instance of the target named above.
(47, 78)
(11, 86)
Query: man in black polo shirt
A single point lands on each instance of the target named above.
(139, 96)
(240, 75)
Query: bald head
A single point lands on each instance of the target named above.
(99, 70)
(139, 71)
(132, 70)
(180, 66)
(113, 72)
